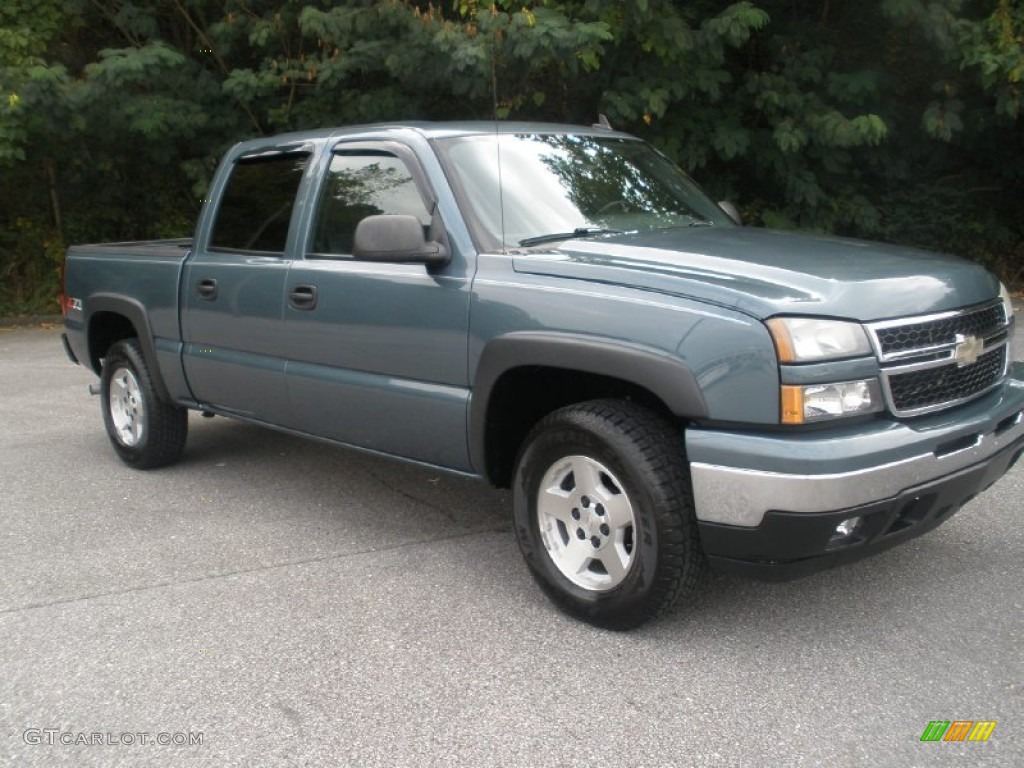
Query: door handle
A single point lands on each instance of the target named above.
(302, 297)
(207, 288)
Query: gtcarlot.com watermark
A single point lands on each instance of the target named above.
(52, 737)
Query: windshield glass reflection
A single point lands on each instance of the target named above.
(555, 186)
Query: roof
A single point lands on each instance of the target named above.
(426, 129)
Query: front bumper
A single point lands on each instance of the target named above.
(768, 504)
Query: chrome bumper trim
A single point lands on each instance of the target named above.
(736, 496)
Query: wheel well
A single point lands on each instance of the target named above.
(523, 396)
(106, 328)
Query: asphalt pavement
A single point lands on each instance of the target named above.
(274, 601)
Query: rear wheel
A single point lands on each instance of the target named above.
(604, 512)
(145, 431)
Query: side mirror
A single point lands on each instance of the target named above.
(731, 211)
(396, 238)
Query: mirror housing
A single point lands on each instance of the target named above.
(731, 211)
(396, 238)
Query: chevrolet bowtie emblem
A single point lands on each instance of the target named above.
(967, 349)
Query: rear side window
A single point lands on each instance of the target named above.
(256, 206)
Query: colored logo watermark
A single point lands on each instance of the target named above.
(958, 730)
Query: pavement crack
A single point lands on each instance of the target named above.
(410, 496)
(258, 569)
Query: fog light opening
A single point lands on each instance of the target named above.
(847, 528)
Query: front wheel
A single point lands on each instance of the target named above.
(146, 431)
(604, 514)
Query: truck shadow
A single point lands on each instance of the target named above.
(310, 468)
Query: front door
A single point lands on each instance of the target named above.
(377, 354)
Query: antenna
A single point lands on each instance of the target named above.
(602, 122)
(497, 134)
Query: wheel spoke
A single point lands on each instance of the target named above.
(615, 562)
(587, 475)
(618, 510)
(574, 559)
(554, 503)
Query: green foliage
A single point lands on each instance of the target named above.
(899, 120)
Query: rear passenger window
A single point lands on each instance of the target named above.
(361, 184)
(256, 206)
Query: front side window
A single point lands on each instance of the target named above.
(526, 189)
(361, 184)
(256, 207)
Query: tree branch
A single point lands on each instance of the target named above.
(201, 34)
(112, 18)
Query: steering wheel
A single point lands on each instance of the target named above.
(619, 205)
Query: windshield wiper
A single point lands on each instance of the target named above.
(578, 232)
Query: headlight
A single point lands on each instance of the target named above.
(810, 339)
(817, 402)
(1007, 303)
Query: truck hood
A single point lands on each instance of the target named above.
(766, 272)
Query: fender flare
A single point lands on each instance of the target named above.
(135, 313)
(664, 375)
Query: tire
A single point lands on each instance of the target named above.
(146, 431)
(619, 546)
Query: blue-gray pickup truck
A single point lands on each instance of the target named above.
(562, 311)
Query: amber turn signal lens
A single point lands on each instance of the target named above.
(783, 341)
(792, 404)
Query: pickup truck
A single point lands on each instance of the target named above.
(562, 311)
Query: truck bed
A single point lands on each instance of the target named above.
(171, 248)
(143, 273)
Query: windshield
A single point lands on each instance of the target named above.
(557, 186)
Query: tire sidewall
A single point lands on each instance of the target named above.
(558, 438)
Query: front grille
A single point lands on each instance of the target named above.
(947, 384)
(927, 362)
(943, 330)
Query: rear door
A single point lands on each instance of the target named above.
(378, 350)
(233, 289)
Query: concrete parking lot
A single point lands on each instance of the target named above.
(290, 603)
